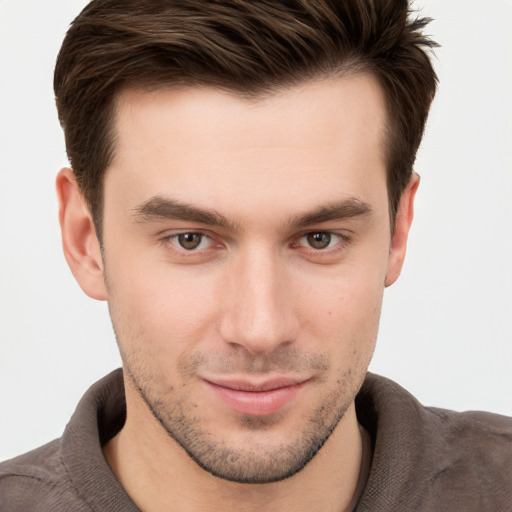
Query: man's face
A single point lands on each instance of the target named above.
(246, 247)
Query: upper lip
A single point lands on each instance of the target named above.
(254, 385)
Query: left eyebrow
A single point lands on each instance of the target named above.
(346, 209)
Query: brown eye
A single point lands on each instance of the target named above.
(319, 240)
(190, 241)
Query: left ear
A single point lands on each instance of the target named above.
(403, 222)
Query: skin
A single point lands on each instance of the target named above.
(286, 197)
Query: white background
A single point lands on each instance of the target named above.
(446, 331)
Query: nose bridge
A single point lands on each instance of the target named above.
(259, 314)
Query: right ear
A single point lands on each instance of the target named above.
(79, 241)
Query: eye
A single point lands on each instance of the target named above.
(190, 241)
(320, 240)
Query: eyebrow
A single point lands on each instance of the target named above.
(160, 208)
(337, 210)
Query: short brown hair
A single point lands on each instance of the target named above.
(245, 46)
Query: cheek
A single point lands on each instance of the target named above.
(164, 308)
(351, 294)
(342, 314)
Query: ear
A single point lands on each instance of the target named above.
(81, 247)
(403, 223)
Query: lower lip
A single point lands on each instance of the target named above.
(256, 403)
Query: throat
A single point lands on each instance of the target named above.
(157, 473)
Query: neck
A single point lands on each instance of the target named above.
(158, 474)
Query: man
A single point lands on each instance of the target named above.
(241, 193)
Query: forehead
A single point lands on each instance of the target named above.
(200, 109)
(322, 138)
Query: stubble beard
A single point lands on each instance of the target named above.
(255, 464)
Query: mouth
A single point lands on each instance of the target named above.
(256, 398)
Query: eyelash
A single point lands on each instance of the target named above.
(341, 242)
(172, 239)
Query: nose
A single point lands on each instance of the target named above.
(259, 307)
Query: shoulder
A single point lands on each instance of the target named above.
(388, 401)
(38, 481)
(480, 429)
(427, 458)
(476, 450)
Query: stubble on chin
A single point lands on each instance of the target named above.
(256, 461)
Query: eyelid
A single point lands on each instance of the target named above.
(344, 239)
(335, 236)
(169, 237)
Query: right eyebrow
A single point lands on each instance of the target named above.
(161, 208)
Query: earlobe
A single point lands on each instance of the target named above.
(403, 223)
(81, 247)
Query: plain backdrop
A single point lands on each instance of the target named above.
(446, 330)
